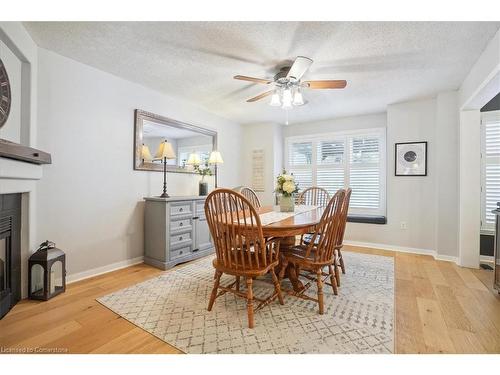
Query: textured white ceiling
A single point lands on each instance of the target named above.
(383, 62)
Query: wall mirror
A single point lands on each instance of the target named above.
(186, 140)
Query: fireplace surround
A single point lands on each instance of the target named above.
(10, 251)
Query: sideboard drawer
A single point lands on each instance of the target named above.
(183, 251)
(180, 208)
(181, 225)
(183, 239)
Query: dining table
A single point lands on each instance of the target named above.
(302, 221)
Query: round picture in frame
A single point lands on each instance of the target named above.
(411, 159)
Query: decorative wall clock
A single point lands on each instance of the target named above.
(5, 95)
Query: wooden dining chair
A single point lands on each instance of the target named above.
(240, 248)
(339, 261)
(319, 253)
(338, 249)
(251, 196)
(314, 195)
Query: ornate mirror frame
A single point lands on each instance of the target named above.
(140, 116)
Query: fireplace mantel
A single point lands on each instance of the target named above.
(16, 151)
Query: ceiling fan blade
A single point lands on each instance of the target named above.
(328, 84)
(258, 97)
(299, 67)
(252, 79)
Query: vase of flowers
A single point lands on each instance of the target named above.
(286, 188)
(203, 170)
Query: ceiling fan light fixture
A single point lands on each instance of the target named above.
(298, 99)
(287, 99)
(275, 99)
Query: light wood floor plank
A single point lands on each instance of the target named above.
(434, 327)
(439, 307)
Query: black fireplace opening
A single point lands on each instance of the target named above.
(10, 251)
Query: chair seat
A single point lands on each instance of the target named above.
(254, 272)
(308, 238)
(298, 254)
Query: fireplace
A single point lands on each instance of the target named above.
(10, 251)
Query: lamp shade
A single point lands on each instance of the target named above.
(298, 99)
(194, 159)
(165, 150)
(145, 153)
(275, 99)
(215, 158)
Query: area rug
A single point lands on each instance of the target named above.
(173, 307)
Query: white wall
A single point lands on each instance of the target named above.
(447, 171)
(428, 205)
(409, 199)
(267, 137)
(90, 197)
(378, 120)
(470, 188)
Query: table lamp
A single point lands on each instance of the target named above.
(145, 153)
(215, 159)
(165, 151)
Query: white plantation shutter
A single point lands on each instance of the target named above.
(299, 163)
(302, 177)
(490, 160)
(492, 192)
(365, 172)
(300, 154)
(330, 179)
(340, 160)
(330, 159)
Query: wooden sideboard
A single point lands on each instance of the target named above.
(175, 231)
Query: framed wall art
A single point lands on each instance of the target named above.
(411, 159)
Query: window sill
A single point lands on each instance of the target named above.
(367, 219)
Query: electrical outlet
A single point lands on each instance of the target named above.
(403, 225)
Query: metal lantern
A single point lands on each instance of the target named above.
(47, 272)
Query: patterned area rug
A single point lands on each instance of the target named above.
(173, 307)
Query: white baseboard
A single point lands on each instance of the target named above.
(130, 262)
(486, 259)
(446, 258)
(104, 269)
(404, 249)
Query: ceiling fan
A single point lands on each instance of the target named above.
(288, 84)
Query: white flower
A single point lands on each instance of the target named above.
(288, 177)
(289, 187)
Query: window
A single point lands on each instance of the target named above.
(490, 168)
(345, 159)
(203, 152)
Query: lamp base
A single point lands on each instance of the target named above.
(164, 195)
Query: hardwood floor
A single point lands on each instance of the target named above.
(440, 308)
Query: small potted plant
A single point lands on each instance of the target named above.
(203, 170)
(286, 187)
